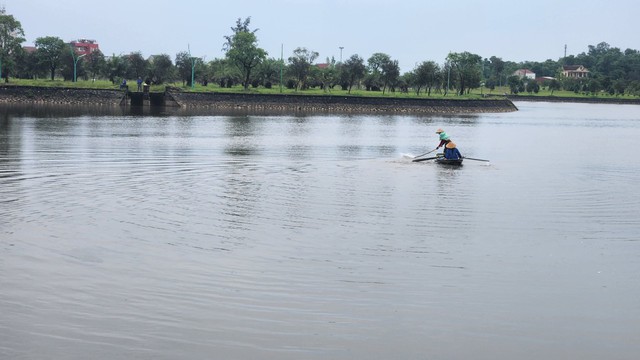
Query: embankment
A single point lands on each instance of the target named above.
(260, 102)
(57, 95)
(342, 104)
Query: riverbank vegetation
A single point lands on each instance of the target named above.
(479, 93)
(248, 68)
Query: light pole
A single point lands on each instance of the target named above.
(448, 75)
(281, 63)
(75, 64)
(193, 70)
(193, 66)
(341, 47)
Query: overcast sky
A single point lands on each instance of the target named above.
(410, 31)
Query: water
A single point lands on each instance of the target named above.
(237, 236)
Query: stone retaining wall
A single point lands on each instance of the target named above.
(261, 102)
(328, 103)
(57, 95)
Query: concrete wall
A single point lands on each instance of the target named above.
(225, 101)
(56, 95)
(330, 103)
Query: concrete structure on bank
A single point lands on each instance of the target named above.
(258, 102)
(350, 104)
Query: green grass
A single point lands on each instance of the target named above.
(337, 91)
(556, 93)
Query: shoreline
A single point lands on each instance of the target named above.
(213, 101)
(584, 100)
(27, 95)
(339, 104)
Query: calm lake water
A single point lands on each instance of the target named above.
(190, 236)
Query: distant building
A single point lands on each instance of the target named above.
(84, 46)
(575, 71)
(525, 73)
(322, 66)
(29, 49)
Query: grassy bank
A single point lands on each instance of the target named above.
(337, 91)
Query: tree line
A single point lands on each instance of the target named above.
(611, 70)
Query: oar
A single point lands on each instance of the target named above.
(429, 158)
(415, 157)
(464, 157)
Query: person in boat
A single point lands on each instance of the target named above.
(444, 138)
(451, 152)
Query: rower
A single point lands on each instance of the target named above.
(451, 152)
(444, 138)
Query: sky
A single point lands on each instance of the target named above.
(410, 31)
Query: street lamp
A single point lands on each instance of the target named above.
(193, 66)
(341, 47)
(75, 63)
(448, 76)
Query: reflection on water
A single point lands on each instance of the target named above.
(184, 234)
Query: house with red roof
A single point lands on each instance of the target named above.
(84, 46)
(525, 74)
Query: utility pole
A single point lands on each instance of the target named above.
(281, 64)
(193, 66)
(448, 76)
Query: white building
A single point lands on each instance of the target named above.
(525, 73)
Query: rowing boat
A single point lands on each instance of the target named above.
(452, 162)
(441, 160)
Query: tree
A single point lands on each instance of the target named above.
(245, 54)
(137, 65)
(353, 70)
(594, 86)
(223, 72)
(269, 72)
(11, 37)
(427, 75)
(27, 66)
(383, 71)
(467, 68)
(95, 63)
(50, 50)
(116, 68)
(328, 76)
(619, 86)
(373, 79)
(160, 68)
(390, 74)
(183, 65)
(554, 85)
(532, 87)
(300, 65)
(201, 71)
(497, 68)
(241, 26)
(515, 83)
